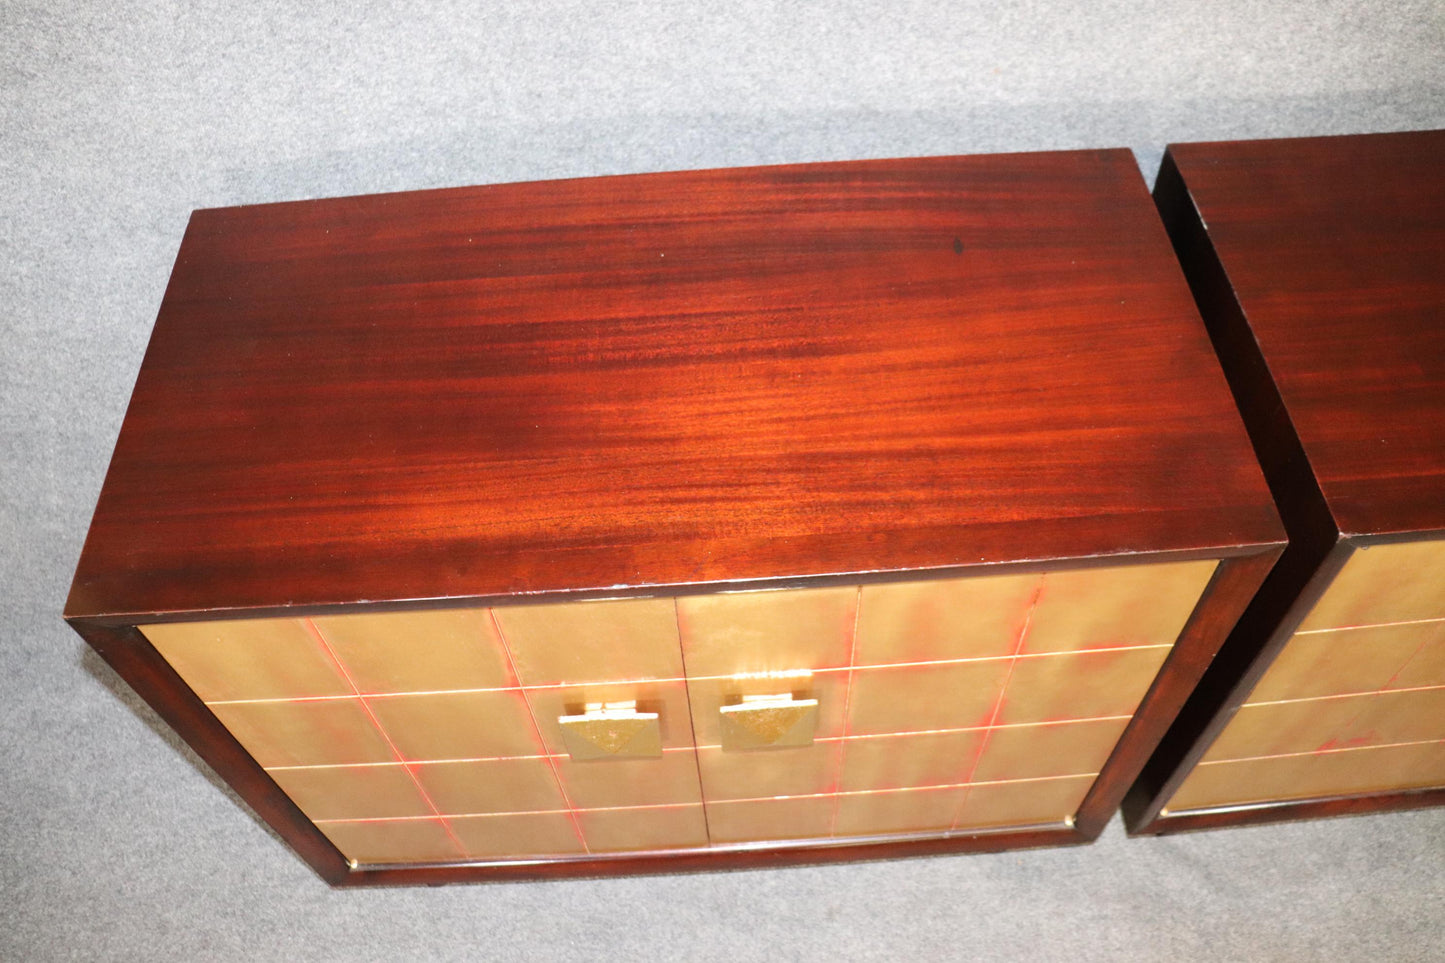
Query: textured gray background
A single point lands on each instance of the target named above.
(115, 843)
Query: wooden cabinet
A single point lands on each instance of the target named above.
(678, 520)
(1318, 263)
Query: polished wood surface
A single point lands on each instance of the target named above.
(1333, 247)
(668, 380)
(1315, 262)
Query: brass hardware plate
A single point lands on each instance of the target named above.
(769, 722)
(612, 730)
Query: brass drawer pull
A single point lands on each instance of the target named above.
(769, 722)
(612, 730)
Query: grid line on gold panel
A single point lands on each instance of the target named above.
(936, 663)
(853, 738)
(1023, 633)
(1347, 705)
(1024, 658)
(691, 725)
(689, 805)
(1370, 625)
(537, 730)
(841, 756)
(1320, 752)
(1384, 690)
(365, 765)
(421, 789)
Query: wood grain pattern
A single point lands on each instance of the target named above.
(1333, 247)
(668, 380)
(1316, 264)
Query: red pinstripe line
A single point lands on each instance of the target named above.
(691, 727)
(1405, 665)
(847, 714)
(997, 703)
(1325, 746)
(537, 729)
(426, 796)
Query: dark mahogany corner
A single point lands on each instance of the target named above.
(1315, 551)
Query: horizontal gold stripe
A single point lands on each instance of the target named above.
(1321, 752)
(719, 802)
(683, 679)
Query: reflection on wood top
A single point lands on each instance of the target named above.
(667, 380)
(1335, 250)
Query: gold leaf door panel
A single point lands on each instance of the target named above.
(737, 718)
(943, 706)
(1355, 701)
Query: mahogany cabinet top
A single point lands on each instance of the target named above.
(1335, 250)
(666, 380)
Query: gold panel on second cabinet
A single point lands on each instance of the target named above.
(947, 705)
(1354, 703)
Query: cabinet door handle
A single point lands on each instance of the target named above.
(768, 722)
(612, 730)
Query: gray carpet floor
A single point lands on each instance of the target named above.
(117, 120)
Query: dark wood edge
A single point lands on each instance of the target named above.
(1277, 446)
(1275, 812)
(711, 860)
(128, 651)
(122, 619)
(1262, 631)
(1316, 552)
(1233, 585)
(1395, 538)
(1122, 154)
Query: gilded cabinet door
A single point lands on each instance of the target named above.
(641, 725)
(1354, 703)
(941, 706)
(439, 736)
